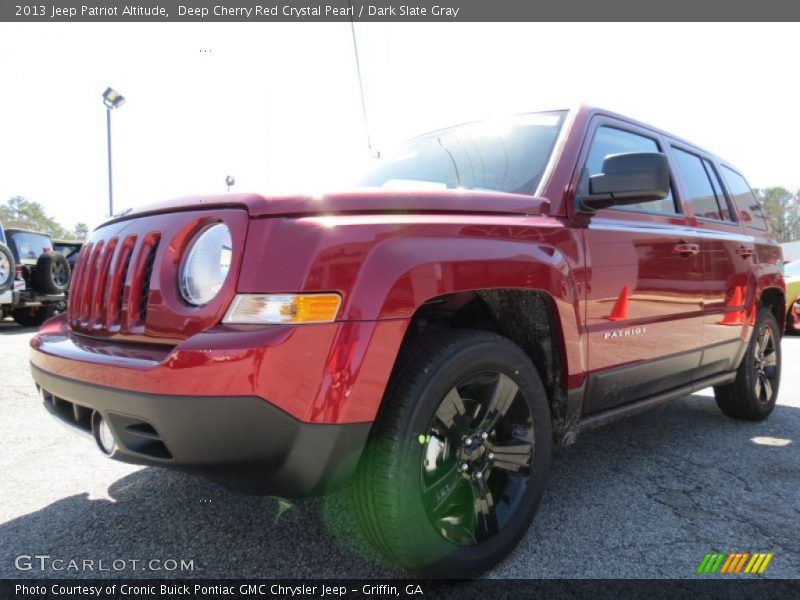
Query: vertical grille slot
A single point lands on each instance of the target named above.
(77, 284)
(148, 274)
(88, 286)
(116, 284)
(99, 285)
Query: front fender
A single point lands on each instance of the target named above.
(387, 266)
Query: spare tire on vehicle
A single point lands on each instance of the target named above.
(7, 268)
(52, 274)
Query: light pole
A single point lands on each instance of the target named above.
(229, 181)
(112, 99)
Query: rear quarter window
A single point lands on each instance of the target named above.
(28, 246)
(747, 205)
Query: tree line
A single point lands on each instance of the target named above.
(781, 206)
(25, 214)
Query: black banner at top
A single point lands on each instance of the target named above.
(397, 10)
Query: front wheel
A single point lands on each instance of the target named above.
(458, 459)
(752, 395)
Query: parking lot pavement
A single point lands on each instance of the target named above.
(646, 497)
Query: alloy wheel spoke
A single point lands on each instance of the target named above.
(767, 386)
(766, 338)
(503, 394)
(771, 360)
(512, 456)
(439, 492)
(758, 387)
(459, 528)
(451, 408)
(484, 514)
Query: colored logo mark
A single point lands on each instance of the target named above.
(734, 562)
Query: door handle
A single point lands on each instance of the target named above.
(685, 249)
(745, 251)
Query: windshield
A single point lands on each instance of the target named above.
(502, 156)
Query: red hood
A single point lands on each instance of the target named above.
(361, 201)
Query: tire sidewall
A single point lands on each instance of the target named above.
(9, 282)
(437, 555)
(44, 273)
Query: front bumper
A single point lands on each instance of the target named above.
(240, 441)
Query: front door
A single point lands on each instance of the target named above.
(645, 286)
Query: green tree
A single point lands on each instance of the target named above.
(783, 211)
(20, 212)
(81, 231)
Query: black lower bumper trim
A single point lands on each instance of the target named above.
(242, 442)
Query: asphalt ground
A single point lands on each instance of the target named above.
(646, 497)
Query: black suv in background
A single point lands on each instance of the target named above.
(38, 289)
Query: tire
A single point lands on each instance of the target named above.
(33, 317)
(52, 274)
(7, 268)
(410, 446)
(751, 396)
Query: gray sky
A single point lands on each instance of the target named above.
(277, 106)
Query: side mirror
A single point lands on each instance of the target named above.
(628, 178)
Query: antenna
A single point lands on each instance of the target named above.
(360, 82)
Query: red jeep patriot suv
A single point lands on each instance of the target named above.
(492, 290)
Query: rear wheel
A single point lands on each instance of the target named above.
(458, 459)
(751, 396)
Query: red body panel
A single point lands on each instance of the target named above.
(387, 253)
(329, 373)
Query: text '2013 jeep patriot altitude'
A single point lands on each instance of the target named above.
(495, 288)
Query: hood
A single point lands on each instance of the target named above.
(360, 201)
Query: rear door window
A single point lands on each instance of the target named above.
(722, 199)
(747, 205)
(699, 181)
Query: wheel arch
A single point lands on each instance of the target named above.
(774, 299)
(527, 317)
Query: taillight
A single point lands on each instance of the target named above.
(18, 272)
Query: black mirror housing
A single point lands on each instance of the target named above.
(628, 178)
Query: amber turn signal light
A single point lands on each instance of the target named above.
(266, 309)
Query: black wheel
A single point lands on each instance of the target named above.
(33, 317)
(7, 268)
(52, 274)
(459, 456)
(751, 396)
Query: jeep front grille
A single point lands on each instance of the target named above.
(111, 284)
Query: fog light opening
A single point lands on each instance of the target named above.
(103, 435)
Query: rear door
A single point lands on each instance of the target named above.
(645, 284)
(727, 256)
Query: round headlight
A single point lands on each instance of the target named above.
(206, 264)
